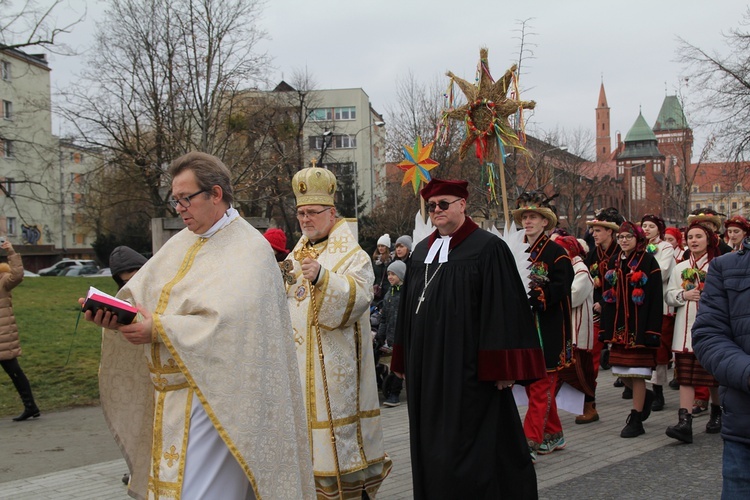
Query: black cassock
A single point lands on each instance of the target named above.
(473, 328)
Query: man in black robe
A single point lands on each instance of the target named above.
(465, 334)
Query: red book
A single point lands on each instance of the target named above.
(96, 299)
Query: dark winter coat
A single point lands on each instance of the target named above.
(623, 320)
(388, 316)
(721, 338)
(552, 280)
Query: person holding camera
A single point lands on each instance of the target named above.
(11, 274)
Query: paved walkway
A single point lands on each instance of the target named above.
(596, 463)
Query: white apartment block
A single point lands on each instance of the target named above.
(42, 177)
(354, 137)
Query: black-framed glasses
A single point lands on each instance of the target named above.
(310, 213)
(625, 237)
(442, 204)
(185, 201)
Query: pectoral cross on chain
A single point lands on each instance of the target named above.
(420, 299)
(426, 284)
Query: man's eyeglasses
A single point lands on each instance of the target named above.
(625, 237)
(185, 202)
(310, 213)
(442, 204)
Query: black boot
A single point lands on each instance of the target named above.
(683, 430)
(627, 393)
(634, 425)
(13, 369)
(714, 421)
(648, 402)
(658, 404)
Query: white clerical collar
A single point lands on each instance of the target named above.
(228, 217)
(441, 245)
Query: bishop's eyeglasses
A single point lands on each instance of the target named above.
(442, 204)
(185, 201)
(310, 213)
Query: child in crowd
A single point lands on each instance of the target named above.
(387, 329)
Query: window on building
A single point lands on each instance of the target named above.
(9, 187)
(7, 110)
(321, 114)
(734, 205)
(638, 187)
(697, 205)
(717, 188)
(76, 157)
(711, 206)
(336, 142)
(348, 113)
(694, 189)
(76, 197)
(722, 207)
(76, 178)
(5, 70)
(80, 238)
(10, 226)
(738, 187)
(657, 167)
(7, 148)
(345, 142)
(316, 142)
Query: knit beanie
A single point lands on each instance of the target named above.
(277, 238)
(404, 240)
(398, 268)
(385, 240)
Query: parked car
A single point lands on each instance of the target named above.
(64, 264)
(29, 274)
(79, 271)
(104, 272)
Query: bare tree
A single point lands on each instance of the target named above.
(32, 26)
(723, 86)
(165, 78)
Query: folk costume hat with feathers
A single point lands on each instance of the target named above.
(608, 218)
(705, 215)
(538, 202)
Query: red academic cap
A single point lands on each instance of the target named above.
(439, 187)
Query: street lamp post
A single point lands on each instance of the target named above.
(356, 172)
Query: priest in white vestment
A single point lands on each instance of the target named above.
(202, 392)
(329, 303)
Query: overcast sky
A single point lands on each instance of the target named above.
(631, 45)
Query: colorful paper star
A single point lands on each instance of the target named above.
(417, 164)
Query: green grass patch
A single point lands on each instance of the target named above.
(46, 309)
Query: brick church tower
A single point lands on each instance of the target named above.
(603, 141)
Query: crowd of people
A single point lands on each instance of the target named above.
(224, 310)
